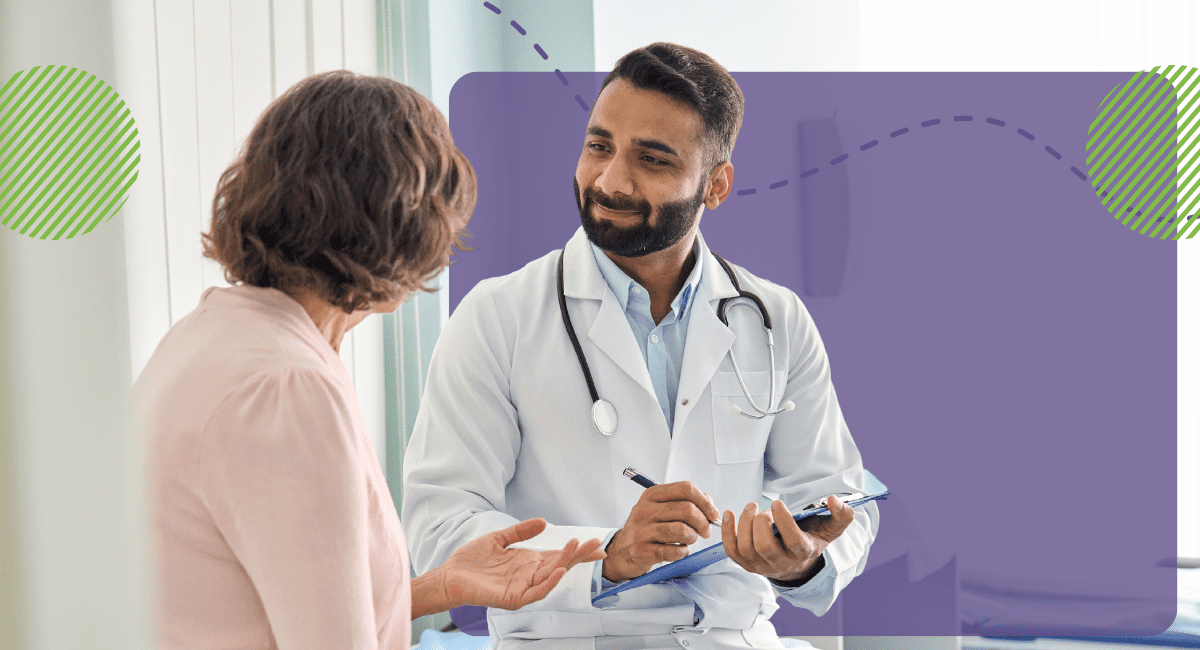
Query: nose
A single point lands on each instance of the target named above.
(615, 177)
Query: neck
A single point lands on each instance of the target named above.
(662, 273)
(332, 322)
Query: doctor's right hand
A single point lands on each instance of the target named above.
(661, 525)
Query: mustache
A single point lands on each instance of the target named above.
(620, 204)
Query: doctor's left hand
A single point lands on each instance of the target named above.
(794, 556)
(487, 572)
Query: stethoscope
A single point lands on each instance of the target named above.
(604, 414)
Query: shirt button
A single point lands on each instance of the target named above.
(684, 643)
(637, 291)
(684, 402)
(654, 338)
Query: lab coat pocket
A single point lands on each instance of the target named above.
(737, 438)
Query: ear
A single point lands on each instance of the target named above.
(720, 182)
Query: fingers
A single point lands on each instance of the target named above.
(745, 530)
(789, 530)
(753, 545)
(729, 538)
(575, 552)
(830, 528)
(590, 551)
(520, 532)
(686, 492)
(765, 545)
(566, 556)
(539, 589)
(668, 552)
(654, 513)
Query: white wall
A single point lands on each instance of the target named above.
(763, 36)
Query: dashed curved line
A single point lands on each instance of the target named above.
(901, 131)
(774, 186)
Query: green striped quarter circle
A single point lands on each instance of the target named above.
(68, 152)
(1143, 152)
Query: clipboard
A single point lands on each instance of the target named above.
(715, 553)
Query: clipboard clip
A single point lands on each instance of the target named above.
(824, 503)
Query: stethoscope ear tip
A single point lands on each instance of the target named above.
(789, 405)
(734, 410)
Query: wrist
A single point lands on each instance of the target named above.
(433, 593)
(610, 566)
(799, 578)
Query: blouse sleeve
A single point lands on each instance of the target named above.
(281, 475)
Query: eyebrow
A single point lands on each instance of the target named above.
(656, 145)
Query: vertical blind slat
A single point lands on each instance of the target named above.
(214, 81)
(177, 96)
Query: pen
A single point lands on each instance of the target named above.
(642, 480)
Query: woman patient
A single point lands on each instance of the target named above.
(273, 523)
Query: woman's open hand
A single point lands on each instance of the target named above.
(488, 572)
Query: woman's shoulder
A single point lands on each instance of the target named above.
(228, 346)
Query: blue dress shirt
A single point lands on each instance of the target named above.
(662, 343)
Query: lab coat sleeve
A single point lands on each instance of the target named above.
(811, 454)
(464, 449)
(280, 472)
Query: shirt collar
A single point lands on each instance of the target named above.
(621, 284)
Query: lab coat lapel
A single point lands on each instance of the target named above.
(708, 339)
(610, 331)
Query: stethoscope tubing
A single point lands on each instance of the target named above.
(604, 414)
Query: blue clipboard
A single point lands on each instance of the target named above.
(715, 553)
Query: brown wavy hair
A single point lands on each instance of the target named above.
(348, 185)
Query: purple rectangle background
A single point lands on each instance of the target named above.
(1003, 349)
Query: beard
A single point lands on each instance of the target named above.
(675, 219)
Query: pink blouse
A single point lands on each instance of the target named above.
(272, 521)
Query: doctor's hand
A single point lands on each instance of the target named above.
(487, 572)
(794, 556)
(661, 524)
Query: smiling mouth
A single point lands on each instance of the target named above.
(623, 213)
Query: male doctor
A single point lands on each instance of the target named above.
(506, 428)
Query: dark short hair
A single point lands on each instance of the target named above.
(348, 185)
(692, 77)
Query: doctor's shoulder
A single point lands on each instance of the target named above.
(788, 312)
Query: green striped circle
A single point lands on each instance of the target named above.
(68, 152)
(1143, 152)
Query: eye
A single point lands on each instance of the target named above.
(655, 161)
(597, 147)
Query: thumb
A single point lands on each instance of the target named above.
(521, 531)
(842, 517)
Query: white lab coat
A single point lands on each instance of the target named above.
(505, 434)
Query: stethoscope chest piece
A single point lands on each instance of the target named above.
(604, 416)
